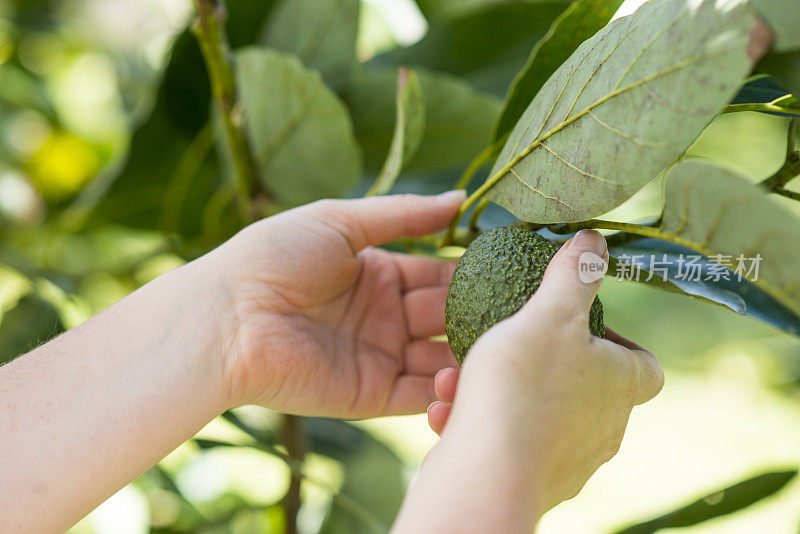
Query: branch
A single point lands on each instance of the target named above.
(209, 29)
(294, 439)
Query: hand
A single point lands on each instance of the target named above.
(560, 397)
(326, 325)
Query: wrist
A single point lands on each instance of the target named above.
(499, 467)
(204, 318)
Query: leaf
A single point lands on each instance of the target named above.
(719, 503)
(783, 16)
(625, 105)
(763, 89)
(485, 46)
(785, 67)
(457, 118)
(300, 132)
(433, 9)
(670, 260)
(322, 33)
(716, 211)
(372, 492)
(409, 127)
(164, 148)
(30, 323)
(578, 22)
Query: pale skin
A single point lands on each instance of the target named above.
(301, 314)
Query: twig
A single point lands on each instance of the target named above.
(769, 107)
(209, 29)
(294, 439)
(782, 191)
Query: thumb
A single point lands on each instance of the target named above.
(574, 275)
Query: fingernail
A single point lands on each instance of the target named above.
(451, 197)
(590, 241)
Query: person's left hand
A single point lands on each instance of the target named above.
(322, 323)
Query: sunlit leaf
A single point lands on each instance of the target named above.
(457, 119)
(714, 211)
(485, 45)
(578, 22)
(722, 502)
(322, 33)
(300, 132)
(409, 127)
(621, 109)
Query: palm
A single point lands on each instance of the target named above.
(340, 333)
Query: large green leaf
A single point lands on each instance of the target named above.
(578, 22)
(300, 132)
(722, 502)
(322, 33)
(784, 18)
(625, 105)
(721, 214)
(409, 127)
(170, 173)
(486, 46)
(457, 118)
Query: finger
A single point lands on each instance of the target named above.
(417, 271)
(648, 376)
(411, 394)
(438, 413)
(761, 39)
(614, 336)
(444, 384)
(378, 220)
(424, 310)
(562, 288)
(424, 357)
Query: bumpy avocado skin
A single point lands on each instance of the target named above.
(497, 274)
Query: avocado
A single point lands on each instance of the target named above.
(496, 275)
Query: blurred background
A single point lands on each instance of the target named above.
(79, 77)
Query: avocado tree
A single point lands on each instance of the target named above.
(549, 112)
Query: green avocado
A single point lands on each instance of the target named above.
(497, 274)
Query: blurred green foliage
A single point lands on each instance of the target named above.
(111, 174)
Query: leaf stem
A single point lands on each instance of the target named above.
(768, 107)
(782, 191)
(600, 224)
(209, 30)
(476, 214)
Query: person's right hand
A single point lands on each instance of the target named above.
(560, 396)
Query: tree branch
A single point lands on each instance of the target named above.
(209, 30)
